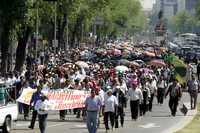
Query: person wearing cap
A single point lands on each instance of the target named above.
(175, 93)
(136, 97)
(110, 105)
(42, 106)
(120, 95)
(93, 104)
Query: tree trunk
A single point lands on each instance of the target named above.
(62, 29)
(21, 48)
(76, 33)
(5, 43)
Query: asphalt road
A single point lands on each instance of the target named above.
(157, 121)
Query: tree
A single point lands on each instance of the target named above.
(183, 22)
(11, 13)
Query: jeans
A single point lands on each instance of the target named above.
(134, 105)
(42, 122)
(193, 98)
(112, 119)
(92, 121)
(119, 113)
(34, 116)
(151, 102)
(62, 114)
(26, 110)
(173, 104)
(160, 95)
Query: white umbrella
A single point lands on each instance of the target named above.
(121, 68)
(82, 64)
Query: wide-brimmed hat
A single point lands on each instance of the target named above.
(110, 90)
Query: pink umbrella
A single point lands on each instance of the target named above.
(40, 67)
(116, 52)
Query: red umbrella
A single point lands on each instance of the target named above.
(157, 63)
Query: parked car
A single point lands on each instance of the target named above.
(8, 109)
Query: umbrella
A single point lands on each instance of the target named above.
(82, 64)
(157, 63)
(146, 70)
(116, 52)
(41, 67)
(150, 54)
(124, 62)
(133, 63)
(67, 64)
(140, 62)
(121, 68)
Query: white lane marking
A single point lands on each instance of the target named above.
(22, 124)
(55, 125)
(80, 126)
(149, 125)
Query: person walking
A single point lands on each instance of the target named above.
(136, 97)
(120, 95)
(144, 106)
(110, 106)
(198, 70)
(42, 106)
(175, 93)
(35, 97)
(193, 87)
(92, 105)
(161, 90)
(153, 90)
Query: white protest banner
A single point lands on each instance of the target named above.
(26, 95)
(60, 99)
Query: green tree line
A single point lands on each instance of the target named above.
(18, 22)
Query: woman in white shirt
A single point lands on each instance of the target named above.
(110, 104)
(42, 107)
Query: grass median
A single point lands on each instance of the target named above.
(194, 125)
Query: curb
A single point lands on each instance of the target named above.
(184, 122)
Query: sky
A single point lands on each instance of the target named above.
(147, 3)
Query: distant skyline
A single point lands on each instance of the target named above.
(147, 4)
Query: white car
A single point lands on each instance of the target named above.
(8, 114)
(8, 110)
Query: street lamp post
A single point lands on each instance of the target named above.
(37, 30)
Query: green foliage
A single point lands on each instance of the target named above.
(122, 16)
(183, 22)
(198, 10)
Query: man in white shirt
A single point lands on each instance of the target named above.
(153, 90)
(136, 97)
(110, 104)
(42, 107)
